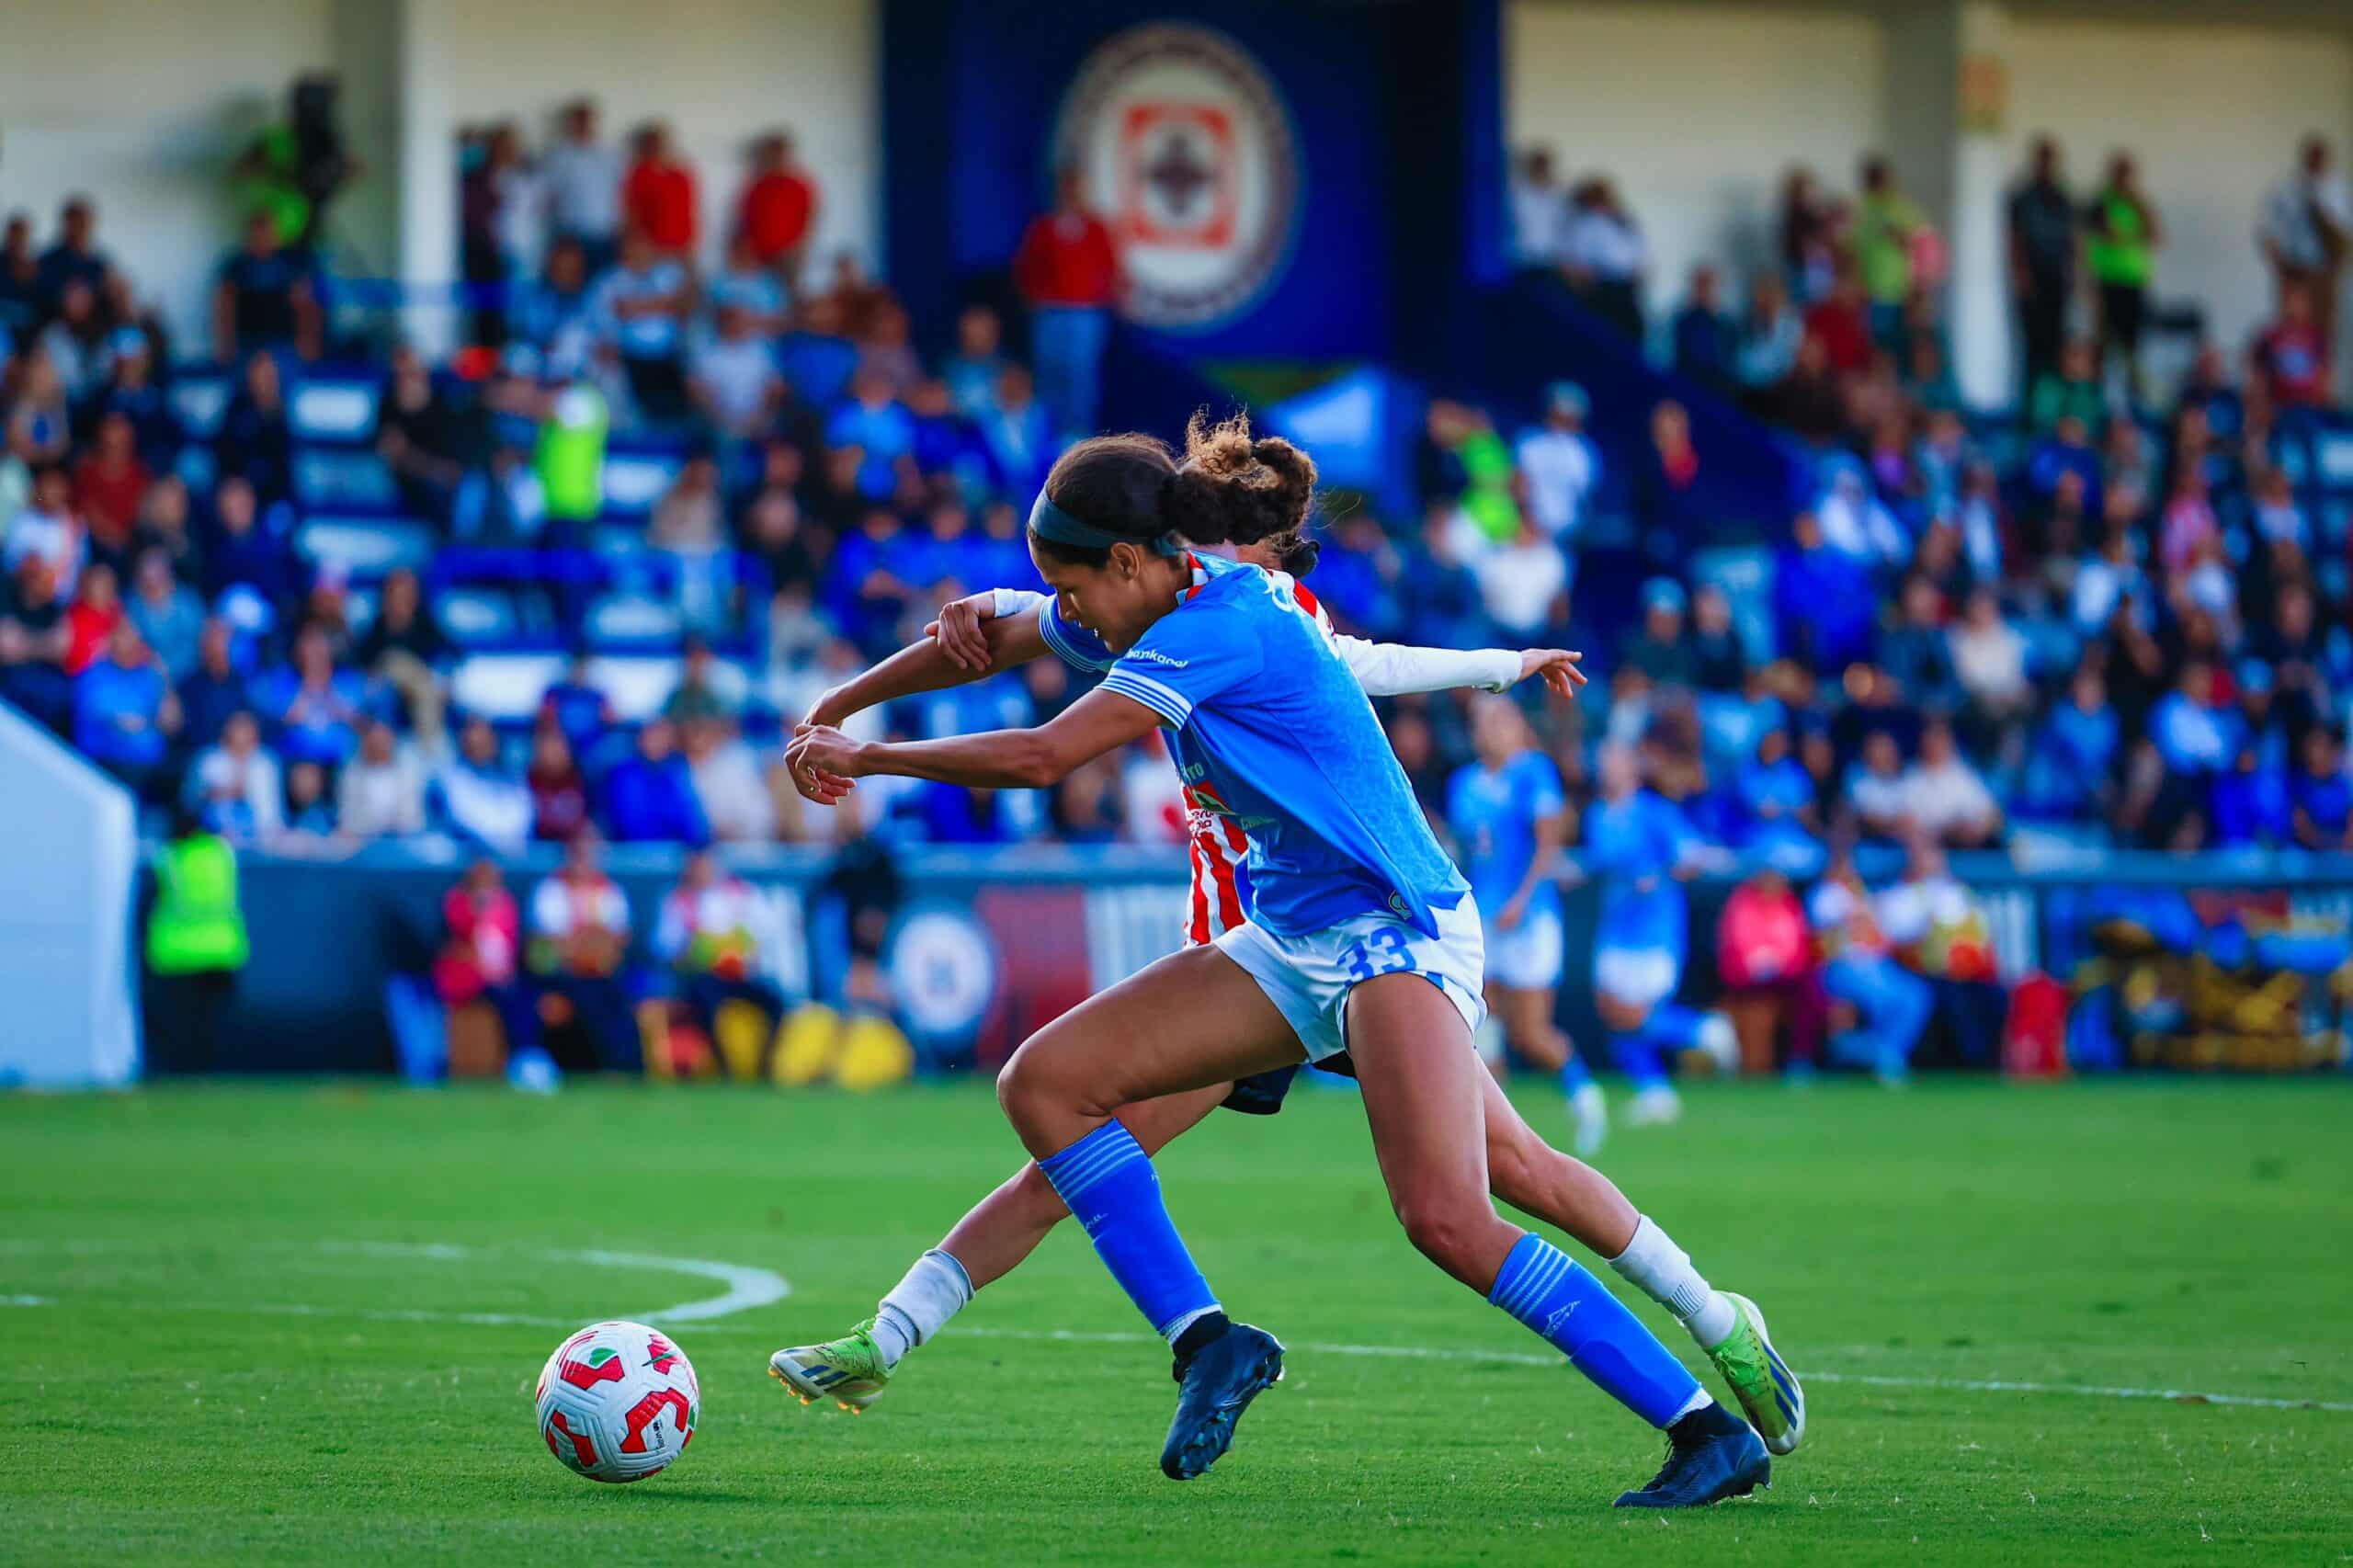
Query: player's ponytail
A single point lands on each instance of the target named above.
(1236, 489)
(1231, 488)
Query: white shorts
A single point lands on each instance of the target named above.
(1308, 978)
(1529, 956)
(1639, 977)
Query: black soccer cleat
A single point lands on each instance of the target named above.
(1216, 1382)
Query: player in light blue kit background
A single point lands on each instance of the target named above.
(1642, 848)
(1509, 817)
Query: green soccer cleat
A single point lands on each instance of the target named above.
(1766, 1389)
(847, 1371)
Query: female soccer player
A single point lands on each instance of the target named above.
(1508, 817)
(1360, 927)
(1641, 846)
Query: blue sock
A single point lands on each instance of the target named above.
(1637, 1057)
(1674, 1026)
(1573, 1075)
(1574, 1313)
(1107, 1181)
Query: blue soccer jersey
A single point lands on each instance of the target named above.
(1633, 845)
(1492, 815)
(1269, 729)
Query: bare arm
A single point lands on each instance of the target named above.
(1098, 723)
(929, 666)
(1552, 832)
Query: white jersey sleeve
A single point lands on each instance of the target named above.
(1011, 602)
(1393, 669)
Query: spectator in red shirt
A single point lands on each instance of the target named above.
(90, 619)
(110, 484)
(658, 196)
(778, 208)
(2292, 355)
(1843, 322)
(1068, 270)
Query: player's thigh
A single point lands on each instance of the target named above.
(1193, 1019)
(1156, 1123)
(1424, 1098)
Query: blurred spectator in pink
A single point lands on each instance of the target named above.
(481, 950)
(1068, 270)
(1764, 957)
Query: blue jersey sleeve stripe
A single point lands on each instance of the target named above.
(1169, 704)
(1050, 626)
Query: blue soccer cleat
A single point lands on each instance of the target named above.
(1711, 1455)
(1215, 1385)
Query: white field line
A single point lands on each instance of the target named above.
(749, 1288)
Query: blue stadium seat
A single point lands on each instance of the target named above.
(2333, 459)
(343, 479)
(638, 685)
(359, 611)
(630, 622)
(198, 468)
(199, 399)
(364, 548)
(635, 480)
(477, 618)
(332, 409)
(504, 685)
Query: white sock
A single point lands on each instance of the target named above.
(918, 1306)
(1663, 1271)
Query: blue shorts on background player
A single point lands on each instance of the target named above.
(1638, 845)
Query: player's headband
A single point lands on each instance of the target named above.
(1051, 522)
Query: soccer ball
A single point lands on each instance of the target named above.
(616, 1401)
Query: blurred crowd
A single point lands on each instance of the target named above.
(2095, 617)
(2116, 613)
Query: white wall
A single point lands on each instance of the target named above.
(719, 71)
(1696, 110)
(2214, 113)
(144, 104)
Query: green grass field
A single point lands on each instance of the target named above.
(302, 1323)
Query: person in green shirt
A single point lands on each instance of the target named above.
(2071, 388)
(1886, 224)
(2121, 235)
(196, 944)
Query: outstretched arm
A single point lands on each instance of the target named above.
(1394, 669)
(929, 665)
(995, 759)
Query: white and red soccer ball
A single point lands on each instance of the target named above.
(617, 1402)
